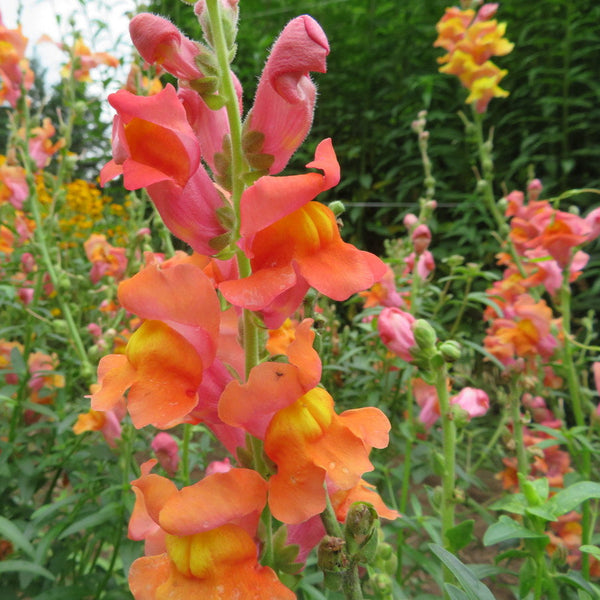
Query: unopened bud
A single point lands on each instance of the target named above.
(425, 335)
(450, 350)
(361, 531)
(337, 208)
(331, 555)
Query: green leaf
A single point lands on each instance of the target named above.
(460, 535)
(455, 593)
(515, 503)
(576, 580)
(508, 529)
(593, 550)
(475, 590)
(8, 566)
(570, 498)
(542, 512)
(11, 532)
(98, 518)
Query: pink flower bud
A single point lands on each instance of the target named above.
(593, 222)
(410, 221)
(27, 262)
(285, 97)
(219, 466)
(167, 451)
(534, 189)
(475, 401)
(421, 237)
(159, 42)
(395, 329)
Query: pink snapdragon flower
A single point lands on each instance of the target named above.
(155, 147)
(167, 452)
(159, 42)
(395, 328)
(421, 238)
(474, 401)
(285, 97)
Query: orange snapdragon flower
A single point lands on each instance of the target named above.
(294, 243)
(165, 358)
(14, 67)
(208, 547)
(303, 435)
(85, 60)
(470, 41)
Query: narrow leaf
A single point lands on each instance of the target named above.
(475, 590)
(11, 532)
(508, 529)
(8, 566)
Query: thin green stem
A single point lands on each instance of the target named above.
(462, 308)
(447, 505)
(485, 184)
(517, 422)
(406, 473)
(574, 388)
(185, 453)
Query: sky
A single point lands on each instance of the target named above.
(51, 17)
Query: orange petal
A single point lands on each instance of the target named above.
(147, 574)
(182, 296)
(115, 376)
(270, 387)
(369, 424)
(215, 500)
(297, 492)
(168, 372)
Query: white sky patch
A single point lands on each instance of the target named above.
(103, 25)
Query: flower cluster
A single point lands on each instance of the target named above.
(259, 241)
(547, 244)
(470, 39)
(14, 67)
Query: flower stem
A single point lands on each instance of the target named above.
(578, 413)
(447, 506)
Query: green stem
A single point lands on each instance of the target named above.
(406, 473)
(515, 409)
(484, 455)
(463, 307)
(185, 453)
(42, 243)
(350, 578)
(447, 506)
(578, 413)
(486, 186)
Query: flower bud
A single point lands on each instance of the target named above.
(362, 532)
(450, 351)
(337, 208)
(475, 401)
(425, 335)
(421, 238)
(360, 522)
(331, 555)
(395, 328)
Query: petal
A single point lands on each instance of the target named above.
(168, 372)
(369, 424)
(297, 492)
(216, 500)
(147, 574)
(260, 289)
(270, 387)
(182, 297)
(115, 376)
(272, 198)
